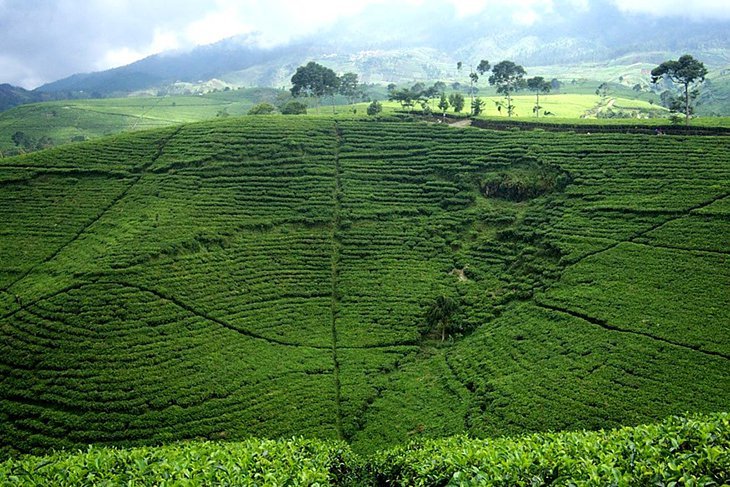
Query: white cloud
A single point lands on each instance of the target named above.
(695, 9)
(525, 17)
(162, 41)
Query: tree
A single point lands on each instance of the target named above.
(477, 106)
(374, 108)
(603, 90)
(439, 314)
(483, 67)
(686, 71)
(408, 97)
(21, 139)
(404, 96)
(294, 107)
(314, 80)
(555, 84)
(350, 87)
(444, 104)
(262, 109)
(538, 85)
(508, 77)
(457, 101)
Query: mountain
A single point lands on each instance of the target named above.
(381, 49)
(12, 96)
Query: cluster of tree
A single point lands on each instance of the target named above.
(316, 81)
(25, 143)
(289, 107)
(506, 76)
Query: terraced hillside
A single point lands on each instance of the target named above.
(271, 277)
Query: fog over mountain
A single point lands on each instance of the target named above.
(394, 41)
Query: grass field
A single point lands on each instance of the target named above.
(69, 120)
(269, 276)
(571, 106)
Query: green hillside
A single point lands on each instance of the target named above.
(73, 120)
(270, 276)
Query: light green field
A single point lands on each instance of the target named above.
(69, 120)
(560, 105)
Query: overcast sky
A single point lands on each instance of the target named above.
(45, 40)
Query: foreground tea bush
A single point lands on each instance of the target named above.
(691, 450)
(253, 462)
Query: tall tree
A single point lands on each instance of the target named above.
(686, 71)
(508, 77)
(315, 81)
(538, 85)
(473, 78)
(350, 87)
(457, 101)
(443, 104)
(477, 106)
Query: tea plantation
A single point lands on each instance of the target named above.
(270, 277)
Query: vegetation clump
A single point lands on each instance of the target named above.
(523, 182)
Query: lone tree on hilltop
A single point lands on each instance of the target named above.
(508, 77)
(440, 312)
(686, 71)
(538, 85)
(315, 81)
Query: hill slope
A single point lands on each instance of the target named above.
(270, 277)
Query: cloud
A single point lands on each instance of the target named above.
(43, 40)
(696, 9)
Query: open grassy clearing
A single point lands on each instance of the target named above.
(269, 276)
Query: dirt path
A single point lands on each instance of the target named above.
(461, 123)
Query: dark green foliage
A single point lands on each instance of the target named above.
(374, 108)
(687, 72)
(508, 77)
(457, 101)
(262, 109)
(294, 108)
(443, 103)
(477, 106)
(440, 313)
(524, 182)
(314, 80)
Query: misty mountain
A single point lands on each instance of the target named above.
(12, 96)
(378, 47)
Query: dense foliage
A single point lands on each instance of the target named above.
(271, 276)
(692, 450)
(253, 462)
(679, 451)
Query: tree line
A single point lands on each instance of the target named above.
(316, 81)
